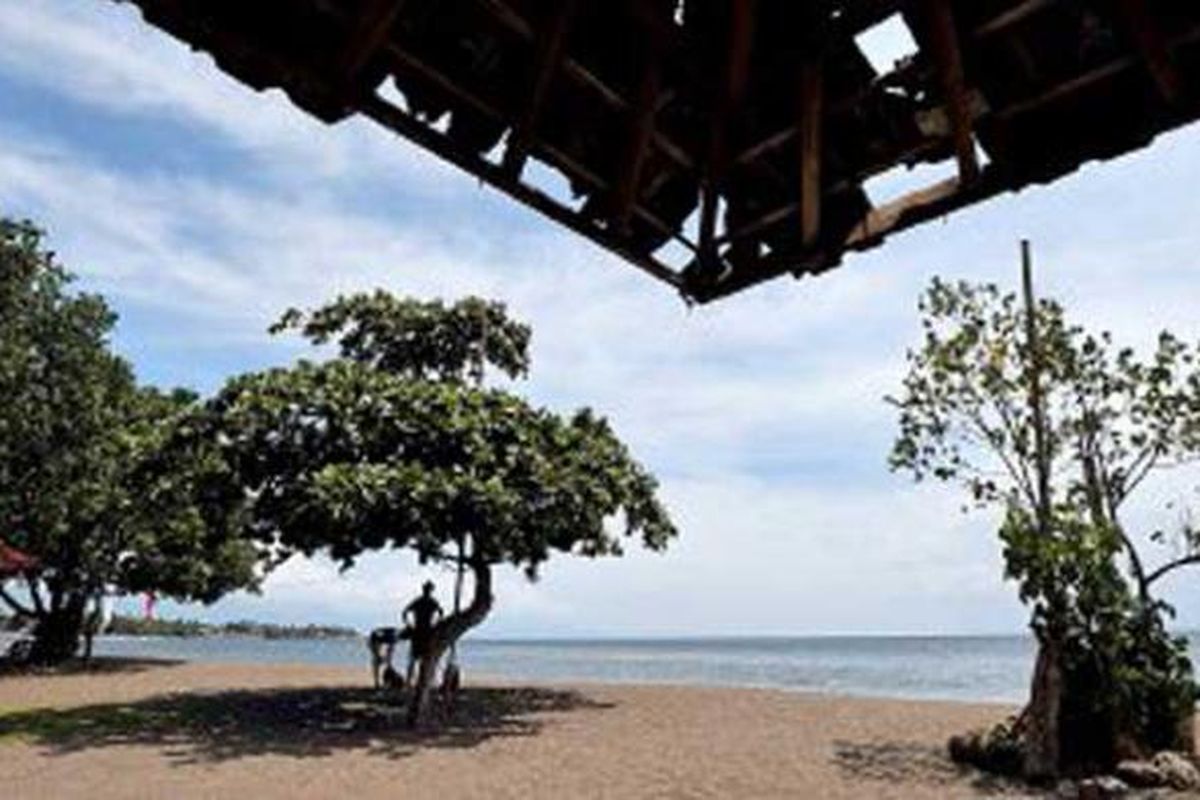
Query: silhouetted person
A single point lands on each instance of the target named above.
(420, 616)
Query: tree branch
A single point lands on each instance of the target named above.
(1019, 476)
(1171, 566)
(1141, 467)
(1135, 561)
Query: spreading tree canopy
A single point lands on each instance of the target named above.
(396, 443)
(77, 438)
(1058, 428)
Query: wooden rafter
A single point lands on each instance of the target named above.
(780, 213)
(737, 72)
(641, 130)
(812, 148)
(401, 122)
(939, 20)
(1088, 80)
(1006, 20)
(1148, 38)
(551, 49)
(407, 61)
(371, 29)
(582, 76)
(850, 103)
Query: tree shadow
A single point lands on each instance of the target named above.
(302, 723)
(916, 762)
(106, 665)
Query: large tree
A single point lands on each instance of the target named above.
(396, 443)
(77, 436)
(1057, 429)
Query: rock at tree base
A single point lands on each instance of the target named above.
(1177, 769)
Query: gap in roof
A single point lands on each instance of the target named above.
(886, 43)
(552, 183)
(673, 253)
(389, 91)
(902, 179)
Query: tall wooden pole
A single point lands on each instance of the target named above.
(1037, 406)
(1040, 720)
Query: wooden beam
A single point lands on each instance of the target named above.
(1014, 16)
(812, 151)
(765, 145)
(391, 117)
(579, 74)
(553, 155)
(371, 29)
(882, 220)
(641, 133)
(1148, 38)
(912, 209)
(728, 101)
(551, 49)
(939, 21)
(780, 213)
(1088, 79)
(1067, 88)
(846, 104)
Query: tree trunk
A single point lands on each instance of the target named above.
(1041, 717)
(446, 633)
(57, 634)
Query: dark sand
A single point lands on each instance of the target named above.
(259, 731)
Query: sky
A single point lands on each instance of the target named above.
(202, 209)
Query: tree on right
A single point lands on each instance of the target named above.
(1057, 429)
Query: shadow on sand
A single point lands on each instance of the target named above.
(305, 722)
(898, 763)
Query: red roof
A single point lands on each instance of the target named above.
(14, 562)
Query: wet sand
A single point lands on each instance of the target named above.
(290, 731)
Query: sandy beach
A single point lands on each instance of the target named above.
(148, 730)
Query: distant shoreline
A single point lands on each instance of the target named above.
(195, 629)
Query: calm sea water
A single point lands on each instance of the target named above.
(953, 668)
(983, 668)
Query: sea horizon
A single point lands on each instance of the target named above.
(973, 668)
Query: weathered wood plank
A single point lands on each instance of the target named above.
(641, 134)
(1006, 20)
(553, 155)
(371, 29)
(939, 19)
(580, 75)
(552, 48)
(737, 74)
(1148, 38)
(812, 148)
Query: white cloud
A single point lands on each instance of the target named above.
(103, 55)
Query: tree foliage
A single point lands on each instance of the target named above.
(76, 437)
(418, 339)
(343, 458)
(977, 392)
(392, 445)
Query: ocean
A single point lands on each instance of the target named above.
(975, 668)
(952, 668)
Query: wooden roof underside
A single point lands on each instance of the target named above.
(720, 143)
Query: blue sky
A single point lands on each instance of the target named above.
(202, 209)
